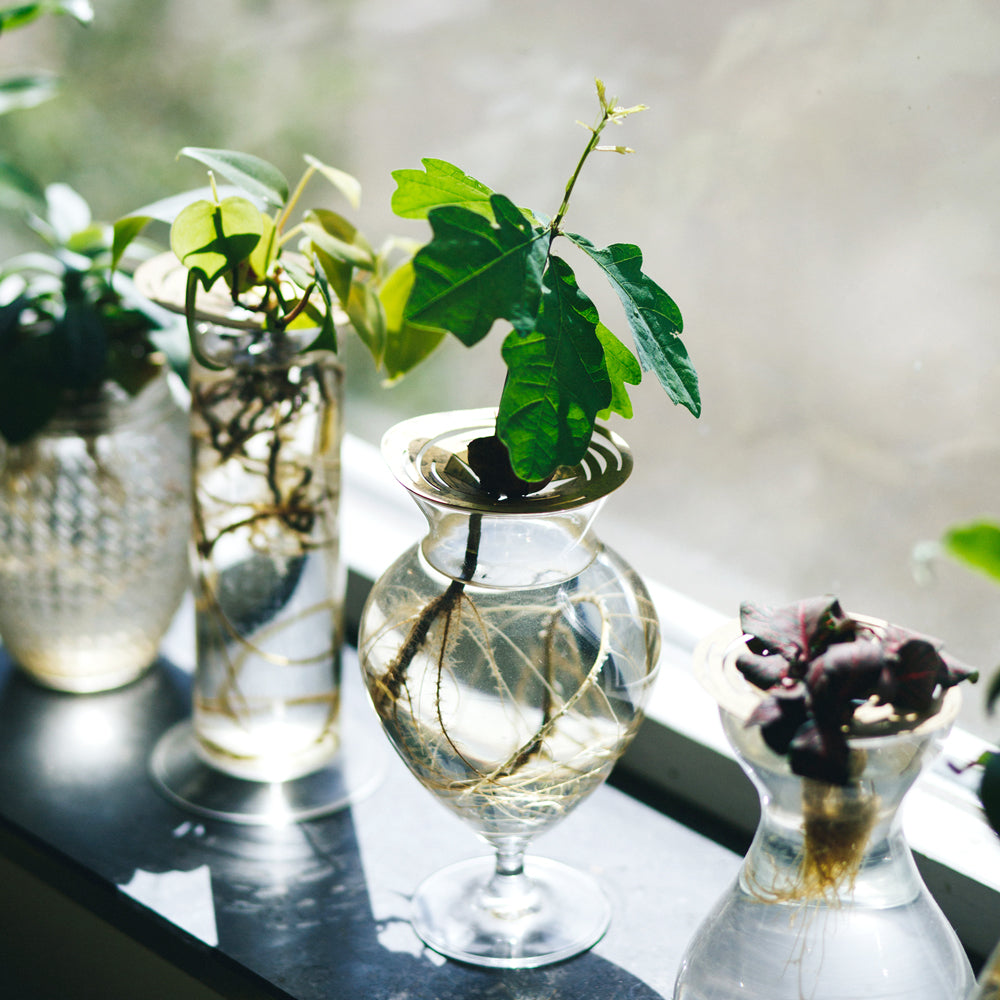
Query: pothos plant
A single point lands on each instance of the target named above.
(68, 322)
(284, 267)
(489, 260)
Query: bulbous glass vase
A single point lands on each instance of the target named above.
(828, 904)
(508, 656)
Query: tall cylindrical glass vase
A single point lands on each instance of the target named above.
(266, 424)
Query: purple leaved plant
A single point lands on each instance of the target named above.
(818, 665)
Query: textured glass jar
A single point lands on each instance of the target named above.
(508, 656)
(828, 903)
(94, 528)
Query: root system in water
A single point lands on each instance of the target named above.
(265, 441)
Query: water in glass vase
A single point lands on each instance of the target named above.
(266, 453)
(517, 702)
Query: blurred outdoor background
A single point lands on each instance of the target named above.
(814, 183)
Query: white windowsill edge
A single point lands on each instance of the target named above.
(681, 750)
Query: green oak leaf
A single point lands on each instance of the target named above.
(255, 176)
(211, 238)
(977, 545)
(654, 318)
(439, 183)
(557, 380)
(622, 368)
(474, 272)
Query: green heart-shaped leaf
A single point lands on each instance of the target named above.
(212, 238)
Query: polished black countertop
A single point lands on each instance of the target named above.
(317, 910)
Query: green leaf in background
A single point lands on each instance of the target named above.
(557, 380)
(622, 368)
(977, 545)
(405, 345)
(339, 238)
(27, 90)
(212, 238)
(19, 14)
(654, 318)
(348, 186)
(473, 272)
(19, 192)
(255, 176)
(124, 232)
(439, 183)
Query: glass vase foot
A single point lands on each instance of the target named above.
(189, 781)
(458, 913)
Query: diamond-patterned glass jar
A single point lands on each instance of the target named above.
(94, 531)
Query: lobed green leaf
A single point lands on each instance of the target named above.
(474, 272)
(653, 317)
(622, 368)
(557, 380)
(439, 183)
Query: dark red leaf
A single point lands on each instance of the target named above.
(780, 716)
(797, 631)
(762, 671)
(821, 753)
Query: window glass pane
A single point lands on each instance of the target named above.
(815, 184)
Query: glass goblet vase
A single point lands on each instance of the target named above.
(508, 656)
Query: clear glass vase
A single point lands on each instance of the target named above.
(508, 657)
(264, 742)
(94, 522)
(828, 904)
